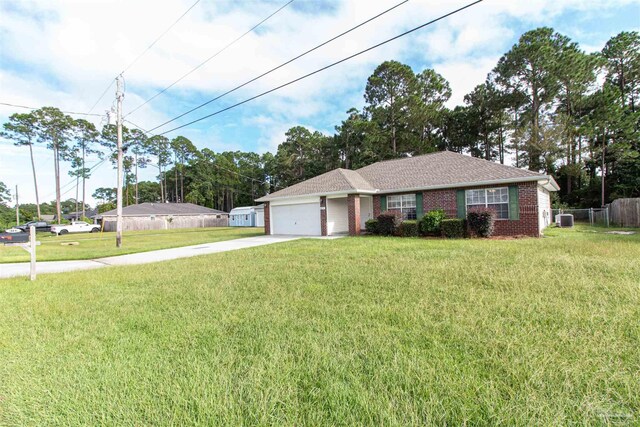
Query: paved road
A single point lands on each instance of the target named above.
(22, 268)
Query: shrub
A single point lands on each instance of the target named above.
(453, 228)
(481, 221)
(429, 224)
(371, 226)
(388, 222)
(409, 228)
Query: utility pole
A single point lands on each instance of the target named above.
(17, 208)
(604, 149)
(119, 97)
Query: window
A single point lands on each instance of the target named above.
(492, 198)
(405, 203)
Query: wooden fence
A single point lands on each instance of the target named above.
(625, 212)
(166, 222)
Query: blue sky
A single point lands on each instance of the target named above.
(64, 53)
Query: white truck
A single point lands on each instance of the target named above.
(75, 227)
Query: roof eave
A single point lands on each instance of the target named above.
(473, 184)
(268, 198)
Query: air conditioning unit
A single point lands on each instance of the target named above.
(564, 220)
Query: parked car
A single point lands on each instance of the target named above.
(40, 226)
(75, 227)
(13, 230)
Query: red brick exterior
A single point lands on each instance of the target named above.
(527, 225)
(376, 206)
(267, 218)
(323, 215)
(440, 199)
(353, 205)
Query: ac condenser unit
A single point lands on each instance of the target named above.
(564, 220)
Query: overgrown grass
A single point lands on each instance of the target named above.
(355, 331)
(97, 245)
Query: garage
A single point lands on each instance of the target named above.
(298, 219)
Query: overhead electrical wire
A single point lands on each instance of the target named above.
(316, 71)
(159, 37)
(142, 54)
(283, 64)
(209, 58)
(36, 108)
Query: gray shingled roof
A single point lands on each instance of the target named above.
(333, 181)
(444, 168)
(438, 169)
(164, 209)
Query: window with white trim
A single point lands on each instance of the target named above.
(405, 203)
(492, 198)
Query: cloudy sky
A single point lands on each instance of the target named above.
(64, 53)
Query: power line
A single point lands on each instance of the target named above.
(159, 37)
(209, 59)
(103, 94)
(142, 54)
(319, 70)
(283, 64)
(36, 108)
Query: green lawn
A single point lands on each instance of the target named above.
(97, 245)
(354, 331)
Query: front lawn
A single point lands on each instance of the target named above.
(98, 245)
(354, 331)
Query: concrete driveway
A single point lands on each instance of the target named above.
(22, 268)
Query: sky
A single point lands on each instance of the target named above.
(65, 53)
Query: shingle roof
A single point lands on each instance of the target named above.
(333, 181)
(437, 169)
(444, 168)
(164, 209)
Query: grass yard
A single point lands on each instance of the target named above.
(98, 245)
(355, 331)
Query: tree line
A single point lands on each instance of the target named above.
(547, 106)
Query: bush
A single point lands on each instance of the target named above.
(481, 221)
(409, 228)
(371, 226)
(388, 222)
(429, 224)
(453, 228)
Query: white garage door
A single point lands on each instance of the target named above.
(301, 219)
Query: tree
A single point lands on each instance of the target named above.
(5, 194)
(54, 129)
(86, 136)
(388, 93)
(105, 195)
(139, 148)
(427, 110)
(22, 130)
(528, 70)
(183, 150)
(622, 54)
(159, 146)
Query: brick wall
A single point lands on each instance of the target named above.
(527, 225)
(376, 206)
(323, 215)
(267, 218)
(353, 205)
(440, 199)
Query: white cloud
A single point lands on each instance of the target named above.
(63, 53)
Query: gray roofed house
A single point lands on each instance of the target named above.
(340, 201)
(154, 216)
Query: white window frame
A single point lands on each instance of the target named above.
(504, 192)
(403, 204)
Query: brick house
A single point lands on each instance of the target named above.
(341, 201)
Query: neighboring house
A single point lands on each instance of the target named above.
(341, 201)
(162, 216)
(244, 216)
(48, 218)
(77, 216)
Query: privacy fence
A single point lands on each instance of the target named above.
(625, 212)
